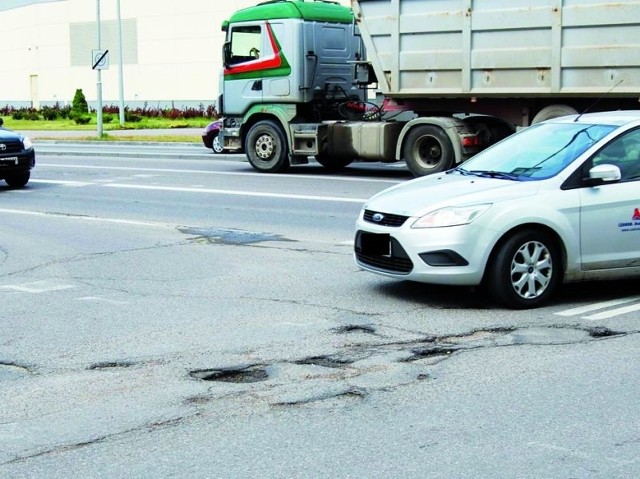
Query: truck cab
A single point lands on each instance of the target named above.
(288, 65)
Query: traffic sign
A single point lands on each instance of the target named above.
(99, 59)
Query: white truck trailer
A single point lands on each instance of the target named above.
(452, 76)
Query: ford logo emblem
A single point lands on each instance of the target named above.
(378, 217)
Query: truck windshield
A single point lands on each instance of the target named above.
(538, 152)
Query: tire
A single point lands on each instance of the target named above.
(490, 129)
(553, 111)
(334, 163)
(216, 146)
(427, 150)
(525, 270)
(266, 147)
(18, 180)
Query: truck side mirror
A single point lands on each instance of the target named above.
(1, 121)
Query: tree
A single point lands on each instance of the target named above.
(79, 105)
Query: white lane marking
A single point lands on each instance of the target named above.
(228, 173)
(43, 286)
(89, 218)
(238, 193)
(614, 312)
(61, 182)
(603, 305)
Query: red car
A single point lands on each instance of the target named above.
(210, 137)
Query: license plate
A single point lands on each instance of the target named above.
(8, 161)
(376, 244)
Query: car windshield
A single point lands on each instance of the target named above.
(538, 152)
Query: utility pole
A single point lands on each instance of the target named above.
(99, 109)
(121, 62)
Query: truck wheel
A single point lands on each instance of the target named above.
(525, 270)
(18, 180)
(266, 147)
(427, 149)
(334, 163)
(553, 111)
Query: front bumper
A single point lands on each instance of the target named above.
(16, 162)
(452, 256)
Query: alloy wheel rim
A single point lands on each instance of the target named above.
(531, 270)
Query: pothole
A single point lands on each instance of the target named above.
(351, 393)
(251, 374)
(325, 362)
(9, 371)
(110, 365)
(431, 352)
(603, 332)
(355, 328)
(230, 236)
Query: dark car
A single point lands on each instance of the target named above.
(16, 158)
(210, 136)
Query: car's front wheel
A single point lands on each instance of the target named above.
(216, 146)
(18, 180)
(525, 270)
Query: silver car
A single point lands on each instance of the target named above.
(556, 202)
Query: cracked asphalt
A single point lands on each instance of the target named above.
(159, 334)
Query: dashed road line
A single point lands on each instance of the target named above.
(239, 193)
(61, 182)
(35, 287)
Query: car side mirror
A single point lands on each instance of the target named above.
(1, 122)
(605, 173)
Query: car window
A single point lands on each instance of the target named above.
(624, 152)
(540, 151)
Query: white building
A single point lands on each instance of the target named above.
(171, 50)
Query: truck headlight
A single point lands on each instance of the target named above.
(26, 142)
(451, 216)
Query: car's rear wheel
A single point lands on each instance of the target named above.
(266, 147)
(525, 270)
(427, 149)
(18, 180)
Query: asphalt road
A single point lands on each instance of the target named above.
(173, 316)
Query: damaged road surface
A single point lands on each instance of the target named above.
(179, 330)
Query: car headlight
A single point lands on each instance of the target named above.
(26, 142)
(451, 216)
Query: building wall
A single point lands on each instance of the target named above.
(171, 51)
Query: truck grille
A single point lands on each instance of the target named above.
(387, 219)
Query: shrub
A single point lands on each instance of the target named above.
(132, 117)
(79, 104)
(80, 119)
(49, 113)
(25, 114)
